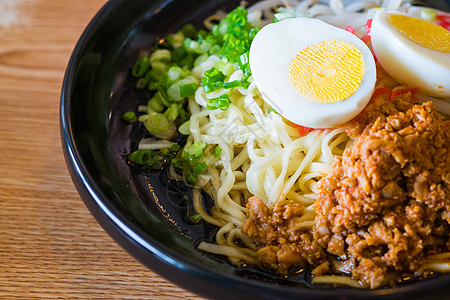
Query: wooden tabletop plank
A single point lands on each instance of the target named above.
(50, 245)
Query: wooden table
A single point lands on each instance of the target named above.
(50, 245)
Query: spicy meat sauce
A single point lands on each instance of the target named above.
(384, 208)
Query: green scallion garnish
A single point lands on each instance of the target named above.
(195, 218)
(217, 151)
(130, 116)
(141, 66)
(188, 89)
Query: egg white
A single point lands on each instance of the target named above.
(407, 62)
(271, 53)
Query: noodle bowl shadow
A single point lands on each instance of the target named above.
(145, 212)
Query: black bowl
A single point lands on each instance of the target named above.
(145, 212)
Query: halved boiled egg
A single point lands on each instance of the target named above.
(314, 74)
(414, 52)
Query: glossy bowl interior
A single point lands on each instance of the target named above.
(145, 212)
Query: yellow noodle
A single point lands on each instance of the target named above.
(227, 251)
(336, 279)
(198, 206)
(442, 267)
(440, 256)
(303, 225)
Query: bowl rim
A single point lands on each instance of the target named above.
(138, 242)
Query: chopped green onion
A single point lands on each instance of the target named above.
(162, 94)
(243, 59)
(143, 118)
(244, 82)
(154, 156)
(160, 55)
(174, 148)
(185, 128)
(182, 113)
(214, 74)
(222, 103)
(225, 67)
(153, 75)
(187, 90)
(130, 116)
(196, 149)
(191, 46)
(153, 86)
(141, 66)
(273, 111)
(174, 73)
(179, 163)
(192, 178)
(200, 59)
(202, 33)
(200, 167)
(217, 151)
(204, 47)
(174, 91)
(232, 84)
(142, 83)
(195, 218)
(196, 47)
(156, 122)
(187, 61)
(212, 80)
(215, 49)
(159, 67)
(284, 13)
(168, 72)
(155, 103)
(428, 14)
(178, 54)
(185, 73)
(172, 112)
(142, 157)
(175, 40)
(189, 31)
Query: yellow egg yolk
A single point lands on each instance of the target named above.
(422, 32)
(327, 72)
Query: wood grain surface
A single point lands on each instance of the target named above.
(50, 245)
